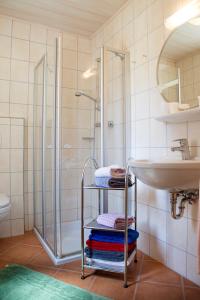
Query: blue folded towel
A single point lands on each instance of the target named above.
(105, 255)
(112, 236)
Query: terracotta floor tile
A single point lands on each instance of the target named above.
(3, 263)
(146, 291)
(26, 250)
(5, 245)
(153, 271)
(188, 283)
(75, 279)
(48, 271)
(29, 238)
(74, 265)
(192, 293)
(111, 285)
(20, 254)
(42, 259)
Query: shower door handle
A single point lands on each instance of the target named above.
(50, 146)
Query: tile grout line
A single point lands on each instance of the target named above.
(138, 278)
(183, 289)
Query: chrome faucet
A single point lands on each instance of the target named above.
(183, 148)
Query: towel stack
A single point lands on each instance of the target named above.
(116, 221)
(106, 248)
(112, 176)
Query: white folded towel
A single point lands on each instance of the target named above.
(105, 171)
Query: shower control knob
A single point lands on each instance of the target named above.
(110, 124)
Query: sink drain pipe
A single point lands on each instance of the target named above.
(186, 196)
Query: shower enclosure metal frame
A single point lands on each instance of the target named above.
(125, 58)
(55, 252)
(52, 251)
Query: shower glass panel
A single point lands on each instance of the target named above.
(49, 150)
(68, 130)
(38, 149)
(44, 147)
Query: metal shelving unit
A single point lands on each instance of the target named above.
(94, 225)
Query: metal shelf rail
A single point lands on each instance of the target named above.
(94, 225)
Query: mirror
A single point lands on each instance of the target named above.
(178, 69)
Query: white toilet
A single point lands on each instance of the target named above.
(4, 206)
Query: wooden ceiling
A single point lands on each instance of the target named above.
(78, 16)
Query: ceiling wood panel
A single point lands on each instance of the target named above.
(78, 16)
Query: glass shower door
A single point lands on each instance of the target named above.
(38, 146)
(49, 152)
(44, 148)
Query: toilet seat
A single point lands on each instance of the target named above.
(4, 201)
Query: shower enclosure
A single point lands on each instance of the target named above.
(69, 129)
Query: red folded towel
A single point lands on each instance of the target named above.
(109, 246)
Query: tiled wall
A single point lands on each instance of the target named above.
(139, 28)
(11, 174)
(22, 45)
(189, 70)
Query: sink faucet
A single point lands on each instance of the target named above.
(183, 148)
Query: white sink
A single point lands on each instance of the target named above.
(172, 175)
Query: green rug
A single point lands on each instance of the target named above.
(20, 283)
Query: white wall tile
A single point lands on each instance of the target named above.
(143, 242)
(4, 160)
(176, 260)
(142, 106)
(69, 78)
(70, 41)
(69, 59)
(84, 45)
(157, 134)
(5, 25)
(192, 237)
(176, 131)
(5, 183)
(143, 216)
(19, 92)
(4, 68)
(5, 229)
(20, 49)
(84, 61)
(155, 15)
(157, 223)
(5, 48)
(177, 232)
(142, 133)
(21, 30)
(4, 88)
(36, 51)
(19, 70)
(17, 227)
(192, 271)
(158, 250)
(38, 33)
(16, 184)
(17, 207)
(193, 133)
(4, 136)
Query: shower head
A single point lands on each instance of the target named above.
(81, 93)
(78, 94)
